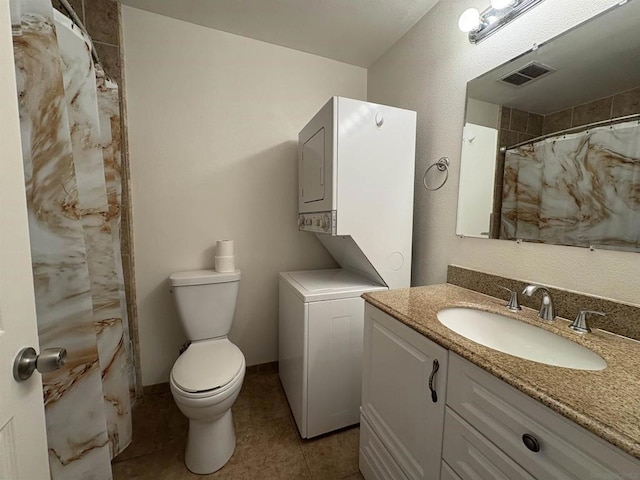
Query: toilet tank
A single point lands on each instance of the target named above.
(206, 302)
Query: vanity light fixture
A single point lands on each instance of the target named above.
(500, 4)
(499, 13)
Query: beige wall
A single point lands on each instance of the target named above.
(482, 113)
(427, 70)
(213, 124)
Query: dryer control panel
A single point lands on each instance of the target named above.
(318, 222)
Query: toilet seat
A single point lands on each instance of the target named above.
(208, 367)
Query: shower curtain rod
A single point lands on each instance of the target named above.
(78, 22)
(611, 121)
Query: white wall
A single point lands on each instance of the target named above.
(427, 70)
(213, 123)
(482, 113)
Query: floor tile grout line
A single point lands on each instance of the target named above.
(271, 390)
(307, 463)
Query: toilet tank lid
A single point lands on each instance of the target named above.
(202, 277)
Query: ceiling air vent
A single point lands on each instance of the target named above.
(526, 74)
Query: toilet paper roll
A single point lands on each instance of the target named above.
(225, 263)
(224, 248)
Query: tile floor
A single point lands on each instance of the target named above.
(268, 444)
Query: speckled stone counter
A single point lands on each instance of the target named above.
(605, 402)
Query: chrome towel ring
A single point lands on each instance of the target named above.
(443, 166)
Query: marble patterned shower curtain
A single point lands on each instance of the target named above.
(578, 189)
(72, 170)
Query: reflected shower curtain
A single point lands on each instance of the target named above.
(575, 189)
(69, 126)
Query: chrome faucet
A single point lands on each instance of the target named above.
(546, 308)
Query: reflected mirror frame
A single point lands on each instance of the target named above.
(513, 61)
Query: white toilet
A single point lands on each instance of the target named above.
(206, 378)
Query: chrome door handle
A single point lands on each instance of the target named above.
(28, 360)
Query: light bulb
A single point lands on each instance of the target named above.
(500, 4)
(469, 20)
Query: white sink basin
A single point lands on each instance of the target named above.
(519, 339)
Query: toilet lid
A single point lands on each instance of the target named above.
(207, 365)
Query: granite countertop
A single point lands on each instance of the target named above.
(605, 402)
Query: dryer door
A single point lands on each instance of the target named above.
(312, 174)
(316, 153)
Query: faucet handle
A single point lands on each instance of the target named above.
(580, 324)
(514, 304)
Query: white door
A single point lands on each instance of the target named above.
(23, 444)
(477, 173)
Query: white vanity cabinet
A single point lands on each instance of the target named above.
(401, 425)
(479, 428)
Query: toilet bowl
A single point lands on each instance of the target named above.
(206, 378)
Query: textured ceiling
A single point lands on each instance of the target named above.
(357, 32)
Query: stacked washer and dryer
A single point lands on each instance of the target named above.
(356, 175)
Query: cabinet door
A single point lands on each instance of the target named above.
(396, 399)
(375, 461)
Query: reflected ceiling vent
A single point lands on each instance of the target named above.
(531, 71)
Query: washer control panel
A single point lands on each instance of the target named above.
(318, 222)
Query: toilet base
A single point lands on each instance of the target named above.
(210, 444)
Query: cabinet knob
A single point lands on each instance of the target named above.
(531, 442)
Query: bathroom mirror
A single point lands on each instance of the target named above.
(551, 141)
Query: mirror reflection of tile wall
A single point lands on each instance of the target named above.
(516, 126)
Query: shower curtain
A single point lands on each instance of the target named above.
(575, 189)
(70, 121)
